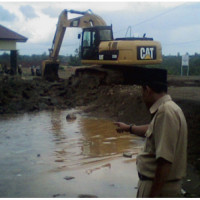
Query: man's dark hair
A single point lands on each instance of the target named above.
(157, 87)
(156, 79)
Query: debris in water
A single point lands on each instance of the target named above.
(61, 160)
(19, 175)
(69, 178)
(59, 195)
(112, 185)
(87, 196)
(71, 116)
(127, 154)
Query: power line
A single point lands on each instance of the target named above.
(159, 15)
(181, 43)
(154, 17)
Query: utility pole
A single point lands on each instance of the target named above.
(185, 63)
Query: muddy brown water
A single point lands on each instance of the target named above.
(43, 155)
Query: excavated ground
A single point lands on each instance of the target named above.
(106, 99)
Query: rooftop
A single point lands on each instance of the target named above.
(7, 34)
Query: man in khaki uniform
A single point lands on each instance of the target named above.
(162, 163)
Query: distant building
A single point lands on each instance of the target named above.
(8, 42)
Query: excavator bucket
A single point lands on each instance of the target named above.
(50, 70)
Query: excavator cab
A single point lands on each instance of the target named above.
(91, 38)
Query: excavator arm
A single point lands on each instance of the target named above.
(88, 19)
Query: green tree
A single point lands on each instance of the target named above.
(75, 60)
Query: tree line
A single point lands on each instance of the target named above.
(28, 61)
(171, 63)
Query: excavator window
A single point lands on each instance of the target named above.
(90, 44)
(86, 39)
(91, 38)
(105, 35)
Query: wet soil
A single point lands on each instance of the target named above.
(114, 101)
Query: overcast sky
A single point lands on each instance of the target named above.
(175, 24)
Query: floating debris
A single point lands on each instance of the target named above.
(69, 178)
(112, 185)
(127, 154)
(71, 116)
(59, 160)
(19, 175)
(59, 195)
(87, 196)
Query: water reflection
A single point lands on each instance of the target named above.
(87, 140)
(89, 171)
(101, 138)
(86, 148)
(57, 126)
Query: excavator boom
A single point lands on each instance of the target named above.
(88, 19)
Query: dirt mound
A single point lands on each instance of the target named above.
(18, 95)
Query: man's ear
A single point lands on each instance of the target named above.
(149, 90)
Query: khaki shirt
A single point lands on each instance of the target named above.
(166, 138)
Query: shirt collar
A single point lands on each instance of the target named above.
(159, 102)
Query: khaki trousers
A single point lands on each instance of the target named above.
(170, 189)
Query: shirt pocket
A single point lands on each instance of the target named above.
(150, 128)
(149, 144)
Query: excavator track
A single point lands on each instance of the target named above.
(107, 75)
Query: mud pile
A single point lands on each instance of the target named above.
(18, 95)
(116, 101)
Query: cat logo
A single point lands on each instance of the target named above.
(146, 53)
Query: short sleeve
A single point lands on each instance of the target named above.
(166, 135)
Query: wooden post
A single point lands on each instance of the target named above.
(13, 61)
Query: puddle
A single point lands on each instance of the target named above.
(38, 152)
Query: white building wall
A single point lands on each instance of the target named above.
(7, 45)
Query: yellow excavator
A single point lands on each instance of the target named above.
(99, 48)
